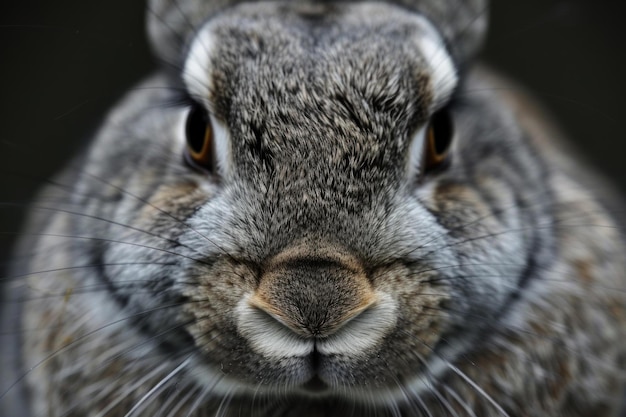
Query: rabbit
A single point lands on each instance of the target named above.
(319, 209)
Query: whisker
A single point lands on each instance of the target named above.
(224, 405)
(201, 398)
(78, 267)
(459, 400)
(80, 339)
(183, 402)
(494, 213)
(157, 387)
(504, 329)
(99, 218)
(477, 388)
(129, 391)
(164, 212)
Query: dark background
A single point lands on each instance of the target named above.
(63, 63)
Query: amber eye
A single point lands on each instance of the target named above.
(438, 140)
(199, 135)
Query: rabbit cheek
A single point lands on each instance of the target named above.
(211, 311)
(212, 295)
(180, 198)
(421, 320)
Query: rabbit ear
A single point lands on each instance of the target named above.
(170, 23)
(462, 23)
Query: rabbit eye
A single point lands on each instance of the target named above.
(438, 139)
(199, 135)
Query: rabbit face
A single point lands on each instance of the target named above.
(319, 255)
(318, 209)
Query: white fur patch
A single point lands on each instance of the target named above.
(221, 140)
(416, 153)
(267, 336)
(443, 72)
(364, 331)
(197, 69)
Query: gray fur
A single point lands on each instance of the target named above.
(486, 288)
(173, 23)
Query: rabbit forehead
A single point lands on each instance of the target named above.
(340, 88)
(312, 56)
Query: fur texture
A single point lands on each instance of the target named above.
(319, 269)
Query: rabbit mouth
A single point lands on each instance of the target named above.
(325, 366)
(316, 325)
(315, 385)
(271, 337)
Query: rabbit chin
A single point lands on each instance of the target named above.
(307, 382)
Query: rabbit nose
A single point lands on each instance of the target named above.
(314, 296)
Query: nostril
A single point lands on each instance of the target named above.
(313, 316)
(314, 296)
(276, 314)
